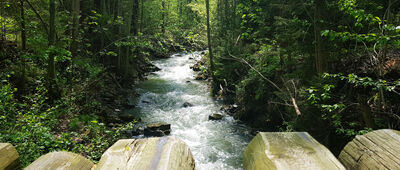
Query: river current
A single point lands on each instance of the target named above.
(216, 145)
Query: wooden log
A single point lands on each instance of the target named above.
(61, 161)
(152, 153)
(288, 151)
(375, 150)
(9, 158)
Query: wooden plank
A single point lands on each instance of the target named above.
(287, 151)
(151, 153)
(61, 161)
(375, 150)
(9, 158)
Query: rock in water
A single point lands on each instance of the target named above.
(8, 157)
(149, 153)
(61, 161)
(215, 117)
(287, 151)
(375, 150)
(187, 104)
(157, 129)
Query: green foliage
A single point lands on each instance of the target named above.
(27, 126)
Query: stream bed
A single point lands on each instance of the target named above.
(214, 144)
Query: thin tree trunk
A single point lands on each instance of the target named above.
(141, 15)
(319, 58)
(163, 16)
(51, 73)
(23, 43)
(135, 17)
(23, 29)
(209, 40)
(75, 27)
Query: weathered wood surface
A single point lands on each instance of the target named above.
(379, 149)
(288, 151)
(61, 161)
(9, 158)
(166, 153)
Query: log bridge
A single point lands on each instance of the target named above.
(268, 150)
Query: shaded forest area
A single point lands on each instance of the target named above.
(68, 67)
(330, 68)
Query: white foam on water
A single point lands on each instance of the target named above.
(214, 144)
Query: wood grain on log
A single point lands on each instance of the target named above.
(9, 158)
(61, 161)
(375, 150)
(166, 153)
(288, 151)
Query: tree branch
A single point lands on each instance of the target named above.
(38, 16)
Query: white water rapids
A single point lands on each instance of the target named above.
(214, 144)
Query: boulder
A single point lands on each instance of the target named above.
(145, 101)
(215, 117)
(287, 151)
(61, 161)
(187, 104)
(149, 153)
(230, 109)
(9, 158)
(157, 129)
(375, 150)
(201, 77)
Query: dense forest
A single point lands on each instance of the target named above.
(330, 68)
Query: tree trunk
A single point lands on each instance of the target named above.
(52, 36)
(366, 112)
(163, 16)
(319, 58)
(23, 29)
(135, 17)
(209, 39)
(141, 15)
(51, 71)
(75, 27)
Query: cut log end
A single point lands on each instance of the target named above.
(61, 161)
(9, 158)
(150, 153)
(375, 150)
(286, 151)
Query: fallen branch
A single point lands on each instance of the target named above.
(293, 100)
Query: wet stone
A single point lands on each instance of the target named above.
(157, 129)
(187, 104)
(215, 117)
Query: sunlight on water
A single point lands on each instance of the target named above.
(214, 144)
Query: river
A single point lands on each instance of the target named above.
(214, 144)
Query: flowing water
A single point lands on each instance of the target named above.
(214, 144)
